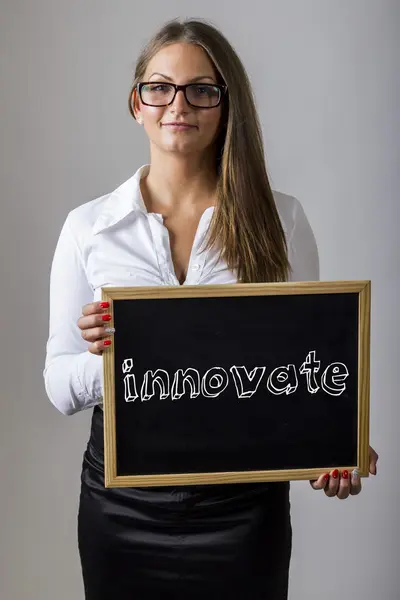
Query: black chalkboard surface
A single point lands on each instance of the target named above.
(234, 383)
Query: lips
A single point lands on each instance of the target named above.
(177, 125)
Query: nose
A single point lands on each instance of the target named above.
(180, 104)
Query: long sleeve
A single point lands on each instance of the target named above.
(302, 248)
(72, 375)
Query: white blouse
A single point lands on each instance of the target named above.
(114, 241)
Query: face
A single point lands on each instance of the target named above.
(179, 64)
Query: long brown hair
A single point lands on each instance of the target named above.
(245, 225)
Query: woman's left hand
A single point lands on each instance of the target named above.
(341, 484)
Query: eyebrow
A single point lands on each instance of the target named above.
(190, 80)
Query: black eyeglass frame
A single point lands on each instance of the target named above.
(222, 88)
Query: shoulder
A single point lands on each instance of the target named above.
(82, 219)
(104, 211)
(78, 224)
(289, 209)
(302, 245)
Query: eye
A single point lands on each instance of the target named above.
(204, 89)
(157, 87)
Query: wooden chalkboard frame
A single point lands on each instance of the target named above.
(362, 288)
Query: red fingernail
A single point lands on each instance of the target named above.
(104, 304)
(107, 343)
(345, 474)
(335, 474)
(106, 317)
(326, 477)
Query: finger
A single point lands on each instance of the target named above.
(333, 485)
(99, 346)
(355, 487)
(93, 320)
(344, 486)
(96, 333)
(373, 459)
(320, 483)
(94, 308)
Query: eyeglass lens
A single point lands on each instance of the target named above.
(161, 94)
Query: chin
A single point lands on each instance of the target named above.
(180, 147)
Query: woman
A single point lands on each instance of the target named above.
(206, 182)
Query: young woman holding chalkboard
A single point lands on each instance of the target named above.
(206, 177)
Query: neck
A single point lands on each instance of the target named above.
(176, 181)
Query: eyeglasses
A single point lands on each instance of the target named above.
(199, 95)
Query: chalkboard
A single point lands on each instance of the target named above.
(236, 383)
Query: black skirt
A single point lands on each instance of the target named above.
(213, 541)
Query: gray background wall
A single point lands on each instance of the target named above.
(326, 76)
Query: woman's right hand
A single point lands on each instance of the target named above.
(94, 324)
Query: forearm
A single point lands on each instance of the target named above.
(74, 382)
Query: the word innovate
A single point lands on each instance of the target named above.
(282, 380)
